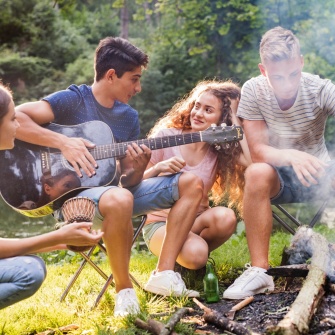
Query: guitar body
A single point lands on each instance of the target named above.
(30, 172)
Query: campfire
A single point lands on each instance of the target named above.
(305, 310)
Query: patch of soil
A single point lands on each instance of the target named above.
(267, 310)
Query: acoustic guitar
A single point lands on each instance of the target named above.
(36, 180)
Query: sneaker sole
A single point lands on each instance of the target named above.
(122, 314)
(237, 296)
(165, 293)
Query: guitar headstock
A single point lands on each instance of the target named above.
(222, 134)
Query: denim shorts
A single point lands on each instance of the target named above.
(292, 191)
(150, 195)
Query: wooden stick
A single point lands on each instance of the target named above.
(175, 318)
(222, 322)
(152, 326)
(294, 270)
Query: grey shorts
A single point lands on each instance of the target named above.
(292, 191)
(149, 230)
(150, 195)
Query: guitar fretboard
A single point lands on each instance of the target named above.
(119, 149)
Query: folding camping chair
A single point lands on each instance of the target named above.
(292, 222)
(109, 279)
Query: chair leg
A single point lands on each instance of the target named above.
(95, 267)
(283, 223)
(318, 214)
(291, 217)
(76, 275)
(314, 220)
(109, 279)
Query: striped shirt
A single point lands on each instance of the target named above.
(302, 126)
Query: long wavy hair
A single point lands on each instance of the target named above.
(229, 183)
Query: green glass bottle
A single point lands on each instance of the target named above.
(211, 285)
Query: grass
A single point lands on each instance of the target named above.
(44, 310)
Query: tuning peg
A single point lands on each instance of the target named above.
(227, 145)
(213, 126)
(236, 144)
(217, 146)
(223, 125)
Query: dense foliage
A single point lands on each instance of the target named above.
(45, 45)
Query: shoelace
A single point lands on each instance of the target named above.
(249, 270)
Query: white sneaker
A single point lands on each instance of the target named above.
(169, 283)
(252, 281)
(126, 303)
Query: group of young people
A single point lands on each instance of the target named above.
(282, 158)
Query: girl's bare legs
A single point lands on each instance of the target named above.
(210, 230)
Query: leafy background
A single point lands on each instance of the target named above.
(46, 45)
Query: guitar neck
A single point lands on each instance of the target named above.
(118, 150)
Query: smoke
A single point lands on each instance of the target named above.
(308, 246)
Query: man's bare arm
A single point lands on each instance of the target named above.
(307, 167)
(134, 164)
(34, 114)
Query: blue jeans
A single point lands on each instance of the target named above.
(150, 195)
(292, 191)
(20, 278)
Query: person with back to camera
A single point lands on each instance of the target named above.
(118, 69)
(22, 274)
(284, 112)
(210, 102)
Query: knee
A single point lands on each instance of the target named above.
(225, 222)
(31, 276)
(116, 199)
(259, 176)
(194, 255)
(230, 221)
(189, 182)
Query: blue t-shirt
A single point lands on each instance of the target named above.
(77, 104)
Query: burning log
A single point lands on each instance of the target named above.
(306, 244)
(294, 270)
(224, 323)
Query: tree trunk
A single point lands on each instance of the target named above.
(125, 21)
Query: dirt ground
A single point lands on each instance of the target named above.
(267, 310)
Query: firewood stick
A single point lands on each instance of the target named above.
(297, 320)
(152, 326)
(159, 326)
(175, 318)
(213, 317)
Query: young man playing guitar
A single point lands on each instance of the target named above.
(118, 69)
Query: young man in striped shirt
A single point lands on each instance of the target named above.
(284, 112)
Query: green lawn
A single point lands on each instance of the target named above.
(44, 310)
